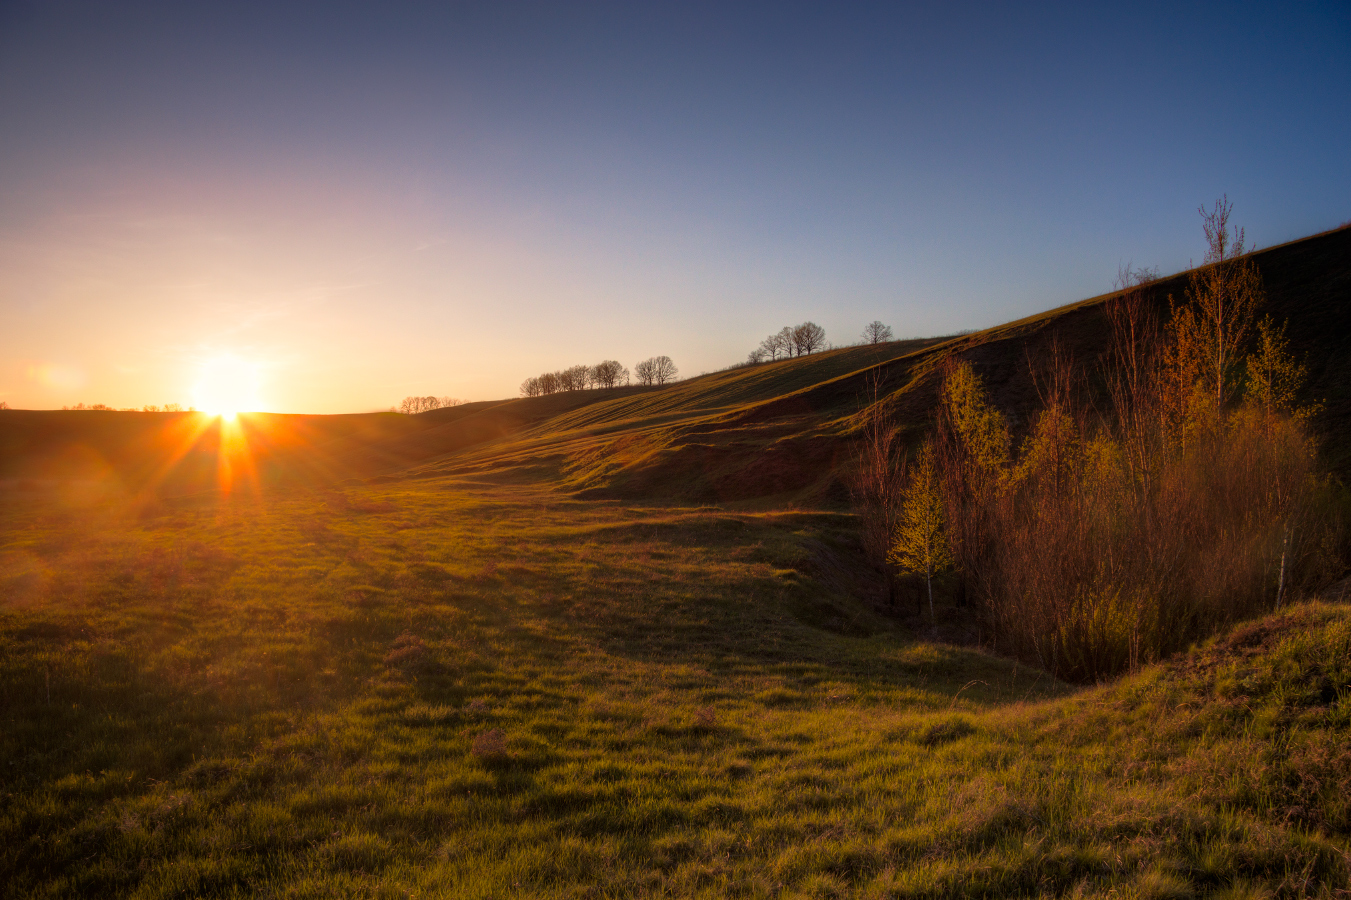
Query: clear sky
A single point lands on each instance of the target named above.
(326, 207)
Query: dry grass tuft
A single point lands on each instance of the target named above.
(490, 745)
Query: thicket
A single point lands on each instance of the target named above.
(1104, 540)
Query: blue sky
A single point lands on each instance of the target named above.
(358, 202)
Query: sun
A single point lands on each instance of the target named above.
(227, 385)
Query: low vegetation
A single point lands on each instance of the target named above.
(464, 689)
(636, 643)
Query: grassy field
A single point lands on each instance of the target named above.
(614, 644)
(481, 689)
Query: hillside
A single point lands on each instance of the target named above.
(442, 687)
(614, 644)
(777, 430)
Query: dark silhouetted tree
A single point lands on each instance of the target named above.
(608, 374)
(876, 333)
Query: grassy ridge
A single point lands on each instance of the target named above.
(449, 688)
(777, 432)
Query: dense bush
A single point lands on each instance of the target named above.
(1105, 543)
(1102, 541)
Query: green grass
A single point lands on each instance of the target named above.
(613, 644)
(284, 698)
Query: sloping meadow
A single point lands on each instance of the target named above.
(449, 688)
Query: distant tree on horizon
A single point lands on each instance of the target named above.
(609, 373)
(574, 378)
(411, 406)
(808, 338)
(655, 371)
(774, 345)
(875, 333)
(791, 340)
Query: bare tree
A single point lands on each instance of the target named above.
(664, 370)
(530, 387)
(575, 378)
(447, 402)
(876, 333)
(548, 383)
(1226, 293)
(645, 372)
(876, 479)
(756, 356)
(608, 374)
(414, 405)
(658, 370)
(786, 341)
(808, 338)
(772, 346)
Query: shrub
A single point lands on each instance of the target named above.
(1107, 541)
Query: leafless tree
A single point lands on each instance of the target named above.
(658, 370)
(1226, 292)
(664, 370)
(447, 402)
(773, 346)
(756, 356)
(413, 405)
(876, 333)
(530, 387)
(548, 383)
(608, 374)
(575, 378)
(808, 338)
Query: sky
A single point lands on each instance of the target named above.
(327, 207)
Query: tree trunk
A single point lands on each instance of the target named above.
(1280, 585)
(929, 577)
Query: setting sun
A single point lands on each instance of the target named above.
(227, 385)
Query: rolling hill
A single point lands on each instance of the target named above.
(615, 644)
(776, 430)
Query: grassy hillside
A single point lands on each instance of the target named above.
(443, 688)
(778, 430)
(613, 644)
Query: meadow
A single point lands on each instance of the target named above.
(469, 688)
(619, 643)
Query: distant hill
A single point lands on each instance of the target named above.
(780, 430)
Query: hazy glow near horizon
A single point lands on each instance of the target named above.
(227, 385)
(339, 205)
